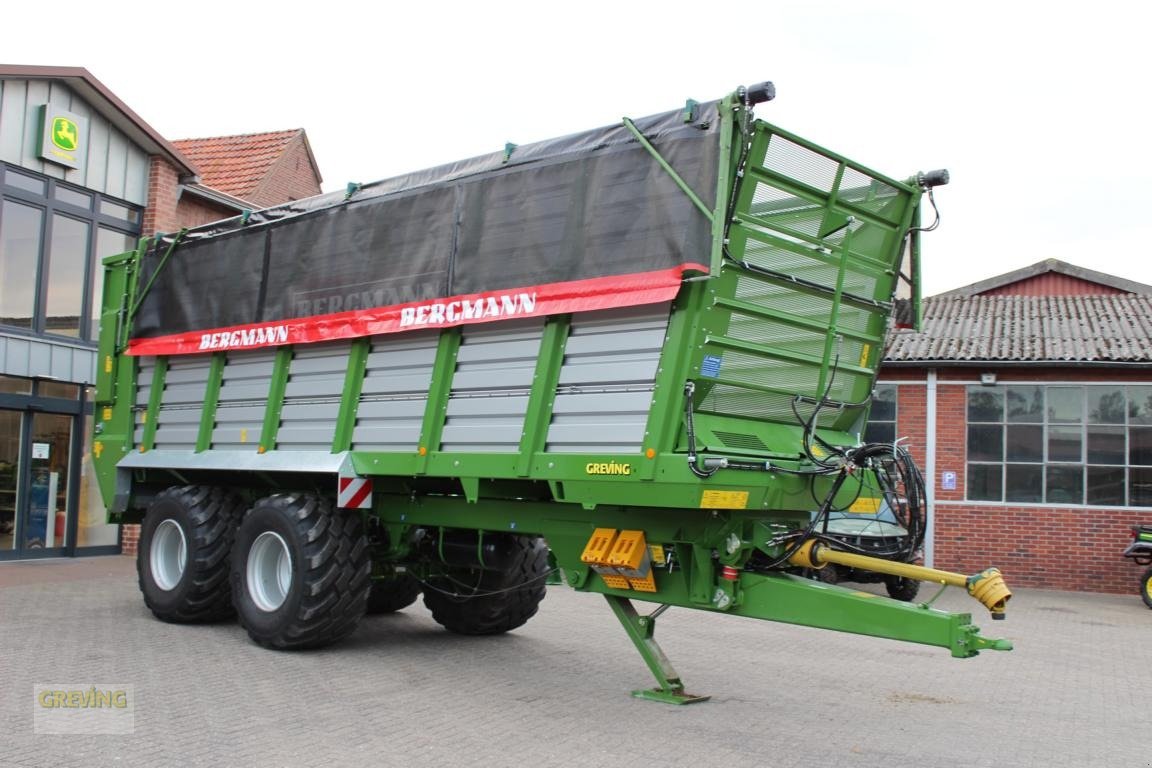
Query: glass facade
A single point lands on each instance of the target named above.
(1060, 444)
(52, 238)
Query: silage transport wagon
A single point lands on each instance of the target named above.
(637, 359)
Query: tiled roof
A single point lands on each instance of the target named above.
(1030, 329)
(236, 164)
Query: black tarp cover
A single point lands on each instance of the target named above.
(587, 221)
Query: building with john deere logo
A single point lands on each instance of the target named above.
(83, 177)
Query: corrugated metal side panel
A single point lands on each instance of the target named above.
(145, 374)
(97, 162)
(244, 386)
(185, 384)
(607, 379)
(114, 165)
(312, 397)
(13, 94)
(494, 371)
(394, 394)
(20, 356)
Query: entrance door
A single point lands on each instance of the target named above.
(10, 441)
(49, 451)
(49, 503)
(35, 464)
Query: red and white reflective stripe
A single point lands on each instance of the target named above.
(354, 493)
(533, 301)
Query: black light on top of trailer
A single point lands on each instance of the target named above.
(759, 93)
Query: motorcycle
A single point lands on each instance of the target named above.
(1140, 550)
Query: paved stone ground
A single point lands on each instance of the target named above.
(1077, 691)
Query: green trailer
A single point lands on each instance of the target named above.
(637, 360)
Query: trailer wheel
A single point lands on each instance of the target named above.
(901, 588)
(182, 559)
(300, 572)
(393, 594)
(483, 602)
(1146, 587)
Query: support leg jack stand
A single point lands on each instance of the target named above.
(642, 631)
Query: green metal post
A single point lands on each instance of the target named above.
(668, 168)
(641, 631)
(211, 400)
(443, 371)
(138, 298)
(155, 396)
(538, 415)
(276, 391)
(350, 399)
(724, 185)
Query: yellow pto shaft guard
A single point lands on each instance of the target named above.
(987, 586)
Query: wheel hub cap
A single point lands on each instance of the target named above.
(169, 555)
(269, 571)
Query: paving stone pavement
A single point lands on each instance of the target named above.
(1076, 692)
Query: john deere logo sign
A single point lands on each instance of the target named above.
(63, 137)
(65, 134)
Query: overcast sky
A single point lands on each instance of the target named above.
(1039, 110)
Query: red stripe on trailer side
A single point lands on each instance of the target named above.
(491, 306)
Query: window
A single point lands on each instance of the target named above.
(65, 297)
(882, 418)
(52, 239)
(21, 235)
(1060, 444)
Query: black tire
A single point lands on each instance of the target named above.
(300, 572)
(182, 560)
(900, 588)
(392, 594)
(476, 602)
(1146, 587)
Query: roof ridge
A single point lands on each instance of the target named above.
(285, 132)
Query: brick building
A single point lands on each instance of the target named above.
(83, 177)
(1027, 400)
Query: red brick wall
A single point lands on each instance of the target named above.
(193, 211)
(292, 177)
(163, 182)
(129, 539)
(1051, 547)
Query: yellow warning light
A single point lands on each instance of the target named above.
(650, 453)
(423, 451)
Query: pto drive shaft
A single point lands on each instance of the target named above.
(987, 586)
